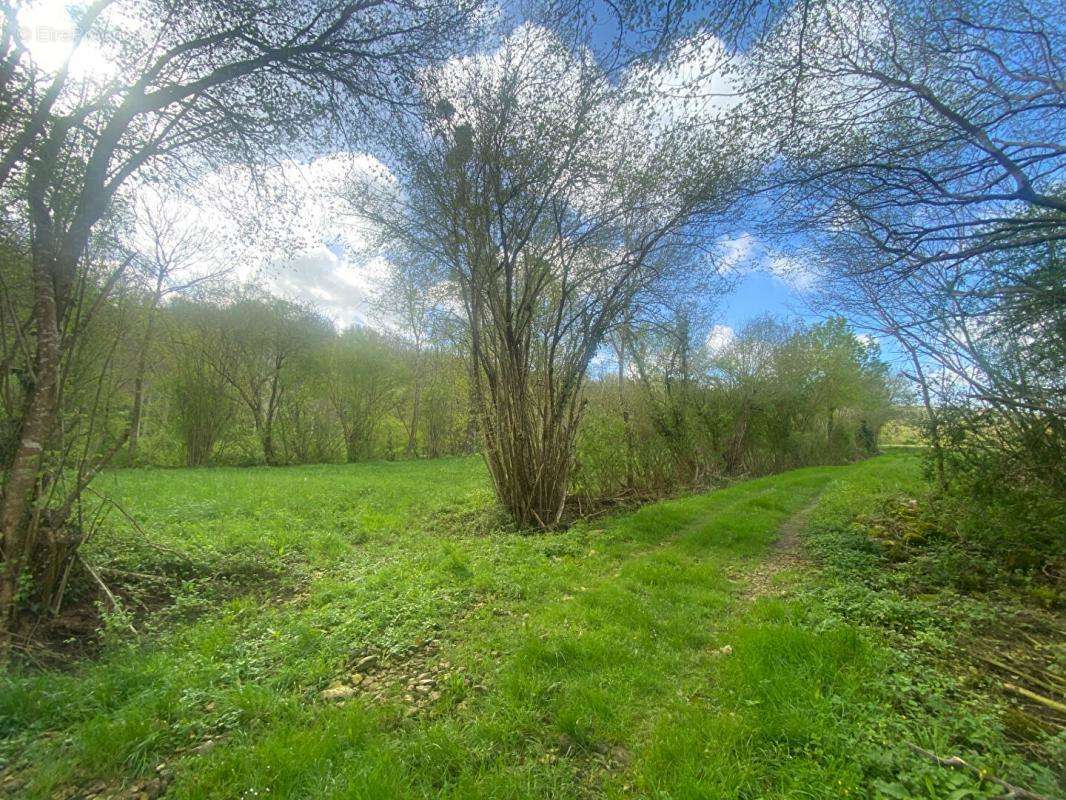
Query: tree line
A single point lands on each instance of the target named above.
(243, 377)
(250, 378)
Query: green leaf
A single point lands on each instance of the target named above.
(896, 790)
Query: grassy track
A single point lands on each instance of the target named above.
(617, 660)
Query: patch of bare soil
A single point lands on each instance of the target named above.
(414, 676)
(417, 676)
(786, 553)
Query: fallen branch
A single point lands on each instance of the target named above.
(100, 582)
(136, 525)
(144, 575)
(955, 761)
(1032, 678)
(1036, 698)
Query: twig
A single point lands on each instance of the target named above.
(137, 527)
(1034, 641)
(62, 590)
(1015, 671)
(955, 761)
(27, 651)
(1036, 698)
(100, 582)
(594, 514)
(128, 573)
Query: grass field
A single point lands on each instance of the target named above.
(373, 631)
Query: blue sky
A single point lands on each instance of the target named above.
(758, 294)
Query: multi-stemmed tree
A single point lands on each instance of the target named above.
(556, 202)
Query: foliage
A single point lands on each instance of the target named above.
(930, 580)
(776, 397)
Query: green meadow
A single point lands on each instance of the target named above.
(377, 631)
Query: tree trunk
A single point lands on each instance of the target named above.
(470, 439)
(529, 452)
(18, 521)
(142, 365)
(620, 351)
(412, 433)
(267, 432)
(135, 419)
(531, 481)
(269, 452)
(735, 449)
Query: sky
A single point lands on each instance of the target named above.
(323, 257)
(759, 293)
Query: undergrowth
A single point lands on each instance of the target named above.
(958, 624)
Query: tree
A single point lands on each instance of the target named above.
(192, 86)
(362, 387)
(411, 300)
(203, 410)
(178, 256)
(985, 344)
(746, 368)
(555, 204)
(918, 151)
(254, 346)
(670, 365)
(919, 130)
(447, 412)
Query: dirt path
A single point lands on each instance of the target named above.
(786, 553)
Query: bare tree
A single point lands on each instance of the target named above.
(255, 343)
(202, 408)
(555, 203)
(985, 338)
(922, 130)
(180, 256)
(411, 300)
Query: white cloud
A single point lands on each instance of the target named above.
(791, 271)
(744, 254)
(693, 84)
(719, 338)
(732, 254)
(286, 228)
(341, 290)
